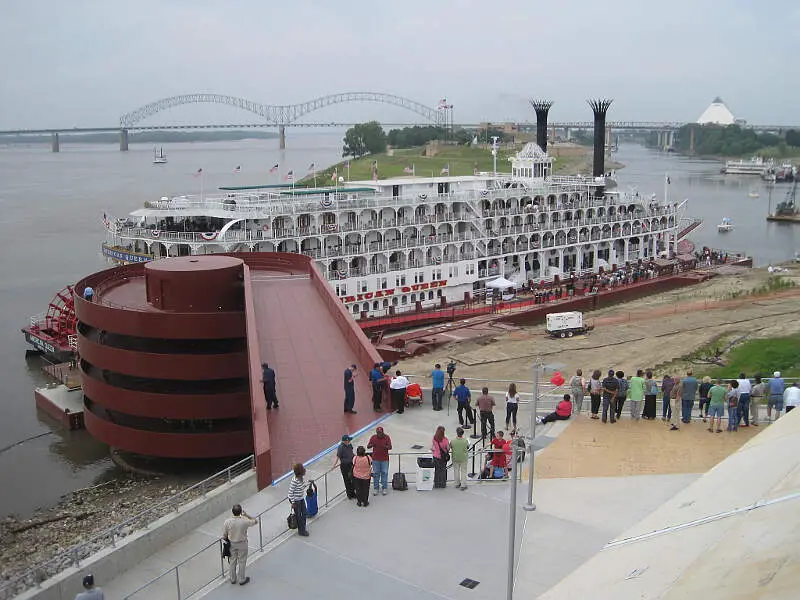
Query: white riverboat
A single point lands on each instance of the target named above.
(399, 242)
(755, 166)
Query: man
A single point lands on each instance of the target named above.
(350, 389)
(378, 384)
(380, 444)
(622, 392)
(636, 388)
(92, 592)
(562, 413)
(463, 397)
(268, 379)
(791, 397)
(675, 400)
(235, 531)
(610, 387)
(397, 388)
(776, 387)
(716, 405)
(88, 294)
(459, 451)
(437, 393)
(344, 458)
(745, 387)
(688, 393)
(485, 404)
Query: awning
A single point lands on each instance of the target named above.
(501, 283)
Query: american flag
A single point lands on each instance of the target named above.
(198, 173)
(237, 169)
(289, 176)
(347, 164)
(273, 169)
(408, 170)
(445, 170)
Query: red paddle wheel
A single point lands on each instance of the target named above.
(53, 333)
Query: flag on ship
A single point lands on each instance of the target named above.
(290, 176)
(410, 170)
(443, 103)
(445, 170)
(311, 167)
(237, 169)
(333, 175)
(274, 168)
(347, 164)
(198, 173)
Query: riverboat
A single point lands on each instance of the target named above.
(755, 166)
(725, 225)
(159, 158)
(412, 242)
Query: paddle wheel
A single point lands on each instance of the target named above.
(53, 333)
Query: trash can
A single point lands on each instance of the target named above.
(424, 473)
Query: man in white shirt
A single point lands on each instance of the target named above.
(235, 531)
(92, 591)
(397, 389)
(744, 399)
(791, 397)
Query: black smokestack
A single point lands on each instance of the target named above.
(600, 108)
(541, 107)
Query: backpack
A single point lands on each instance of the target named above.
(399, 482)
(653, 391)
(622, 391)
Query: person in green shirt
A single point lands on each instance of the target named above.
(636, 392)
(716, 405)
(459, 449)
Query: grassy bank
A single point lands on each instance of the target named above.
(462, 160)
(760, 356)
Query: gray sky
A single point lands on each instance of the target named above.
(84, 63)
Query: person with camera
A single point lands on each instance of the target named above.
(463, 398)
(235, 531)
(437, 391)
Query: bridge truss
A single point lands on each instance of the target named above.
(282, 114)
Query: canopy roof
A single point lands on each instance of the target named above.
(500, 283)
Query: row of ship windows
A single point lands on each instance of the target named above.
(362, 285)
(403, 300)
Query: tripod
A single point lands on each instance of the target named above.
(448, 390)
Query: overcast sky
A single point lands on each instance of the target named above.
(85, 62)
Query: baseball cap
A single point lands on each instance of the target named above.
(379, 430)
(346, 438)
(776, 374)
(611, 372)
(88, 580)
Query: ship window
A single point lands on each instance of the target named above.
(438, 293)
(395, 301)
(382, 283)
(386, 303)
(362, 285)
(405, 300)
(419, 277)
(400, 280)
(355, 309)
(375, 305)
(365, 308)
(413, 297)
(430, 295)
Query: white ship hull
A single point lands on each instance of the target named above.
(400, 243)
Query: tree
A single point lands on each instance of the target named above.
(363, 139)
(793, 137)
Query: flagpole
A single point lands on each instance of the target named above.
(315, 175)
(202, 184)
(348, 171)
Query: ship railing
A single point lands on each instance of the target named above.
(72, 340)
(38, 320)
(75, 557)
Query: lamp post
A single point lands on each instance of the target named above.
(494, 153)
(512, 523)
(530, 505)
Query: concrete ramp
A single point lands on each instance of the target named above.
(732, 534)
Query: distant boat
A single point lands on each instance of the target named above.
(753, 193)
(725, 225)
(159, 158)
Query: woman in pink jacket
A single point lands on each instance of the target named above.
(563, 411)
(440, 448)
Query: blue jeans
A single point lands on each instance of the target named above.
(686, 409)
(666, 409)
(733, 418)
(380, 473)
(436, 397)
(744, 409)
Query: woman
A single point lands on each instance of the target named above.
(362, 473)
(650, 395)
(595, 392)
(499, 459)
(577, 386)
(666, 387)
(512, 404)
(297, 496)
(562, 412)
(440, 448)
(705, 387)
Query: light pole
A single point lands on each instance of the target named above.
(512, 523)
(530, 504)
(494, 153)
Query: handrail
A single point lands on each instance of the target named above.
(72, 557)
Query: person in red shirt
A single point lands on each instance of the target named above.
(500, 453)
(563, 411)
(380, 444)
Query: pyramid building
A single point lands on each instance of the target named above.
(717, 113)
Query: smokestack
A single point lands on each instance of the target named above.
(541, 107)
(600, 108)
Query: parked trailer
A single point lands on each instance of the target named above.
(565, 324)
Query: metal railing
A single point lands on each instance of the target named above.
(72, 558)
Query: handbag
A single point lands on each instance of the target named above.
(291, 520)
(443, 454)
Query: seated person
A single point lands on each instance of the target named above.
(563, 411)
(413, 394)
(501, 452)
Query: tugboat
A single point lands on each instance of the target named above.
(159, 158)
(52, 333)
(725, 225)
(787, 211)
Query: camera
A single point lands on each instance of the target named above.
(451, 368)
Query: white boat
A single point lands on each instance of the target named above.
(753, 193)
(393, 243)
(755, 166)
(725, 225)
(159, 158)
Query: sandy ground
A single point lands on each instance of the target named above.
(653, 332)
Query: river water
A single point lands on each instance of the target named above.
(51, 208)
